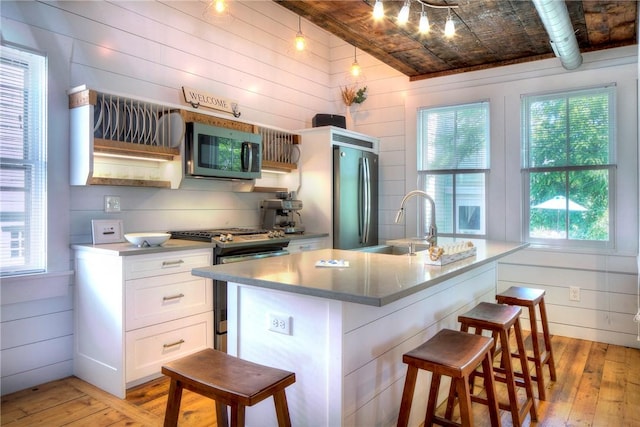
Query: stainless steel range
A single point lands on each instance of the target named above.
(234, 245)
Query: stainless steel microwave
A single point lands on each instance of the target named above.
(215, 152)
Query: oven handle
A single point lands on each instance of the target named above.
(246, 257)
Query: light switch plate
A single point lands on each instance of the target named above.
(106, 231)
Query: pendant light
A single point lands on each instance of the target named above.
(423, 26)
(449, 26)
(355, 67)
(378, 10)
(219, 6)
(300, 40)
(403, 16)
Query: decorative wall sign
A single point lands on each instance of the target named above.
(202, 99)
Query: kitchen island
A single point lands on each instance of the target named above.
(343, 330)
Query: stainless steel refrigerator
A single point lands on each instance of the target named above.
(355, 198)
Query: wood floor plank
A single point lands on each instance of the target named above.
(586, 399)
(598, 386)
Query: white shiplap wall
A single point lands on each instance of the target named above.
(149, 49)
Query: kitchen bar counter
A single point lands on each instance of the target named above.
(343, 331)
(371, 278)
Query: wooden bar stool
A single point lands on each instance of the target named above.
(500, 320)
(229, 381)
(530, 298)
(454, 354)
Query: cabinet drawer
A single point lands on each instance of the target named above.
(163, 298)
(166, 263)
(147, 349)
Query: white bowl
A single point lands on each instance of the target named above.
(142, 240)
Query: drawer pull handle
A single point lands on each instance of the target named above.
(173, 344)
(172, 263)
(172, 297)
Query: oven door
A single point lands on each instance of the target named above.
(220, 291)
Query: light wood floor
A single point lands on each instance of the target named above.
(598, 385)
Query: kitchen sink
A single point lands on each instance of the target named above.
(392, 249)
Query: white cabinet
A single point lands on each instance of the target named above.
(135, 313)
(302, 245)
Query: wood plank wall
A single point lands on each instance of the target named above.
(150, 49)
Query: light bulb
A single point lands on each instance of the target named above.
(449, 27)
(355, 68)
(378, 10)
(220, 6)
(403, 16)
(300, 42)
(423, 27)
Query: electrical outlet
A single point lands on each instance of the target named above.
(574, 293)
(279, 323)
(112, 203)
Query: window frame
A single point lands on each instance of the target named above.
(32, 164)
(610, 167)
(454, 173)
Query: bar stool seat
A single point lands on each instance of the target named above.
(455, 354)
(532, 298)
(229, 381)
(500, 320)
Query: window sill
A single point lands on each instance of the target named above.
(17, 289)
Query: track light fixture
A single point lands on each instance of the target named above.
(423, 26)
(300, 40)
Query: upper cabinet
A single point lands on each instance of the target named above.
(117, 140)
(123, 141)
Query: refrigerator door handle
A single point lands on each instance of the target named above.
(366, 199)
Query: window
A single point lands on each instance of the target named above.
(569, 166)
(22, 161)
(453, 163)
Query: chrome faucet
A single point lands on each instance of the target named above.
(432, 235)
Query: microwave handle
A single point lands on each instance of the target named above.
(247, 153)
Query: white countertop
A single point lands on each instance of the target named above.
(128, 249)
(371, 278)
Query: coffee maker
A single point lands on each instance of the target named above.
(280, 213)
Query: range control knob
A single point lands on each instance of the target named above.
(271, 234)
(229, 237)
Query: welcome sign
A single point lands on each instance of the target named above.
(202, 99)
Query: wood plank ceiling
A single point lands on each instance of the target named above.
(489, 33)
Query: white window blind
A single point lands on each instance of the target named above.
(453, 163)
(569, 167)
(22, 161)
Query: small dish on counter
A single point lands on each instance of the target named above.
(143, 240)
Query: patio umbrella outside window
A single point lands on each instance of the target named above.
(560, 204)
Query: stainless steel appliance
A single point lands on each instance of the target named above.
(355, 197)
(216, 152)
(282, 213)
(234, 245)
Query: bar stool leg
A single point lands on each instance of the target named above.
(282, 409)
(547, 340)
(492, 396)
(464, 400)
(536, 351)
(173, 404)
(431, 405)
(525, 369)
(407, 395)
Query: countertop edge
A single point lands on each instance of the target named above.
(377, 301)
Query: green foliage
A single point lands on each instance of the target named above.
(569, 136)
